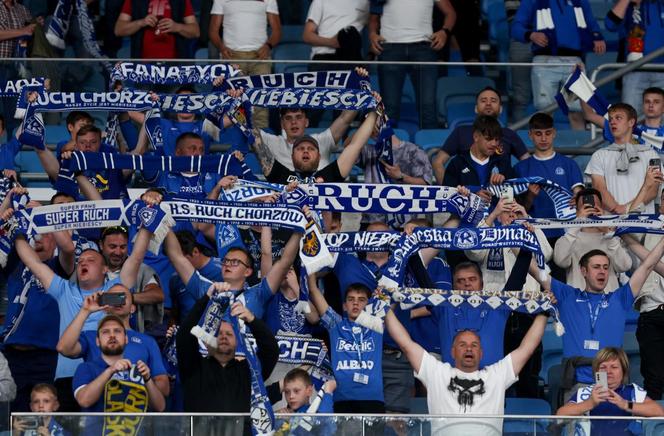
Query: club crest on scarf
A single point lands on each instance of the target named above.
(311, 244)
(465, 239)
(147, 215)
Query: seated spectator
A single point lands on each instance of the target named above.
(298, 390)
(43, 399)
(568, 32)
(244, 29)
(617, 398)
(487, 102)
(641, 24)
(404, 32)
(622, 172)
(579, 240)
(74, 121)
(592, 317)
(468, 387)
(159, 29)
(652, 108)
(92, 378)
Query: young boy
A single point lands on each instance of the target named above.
(43, 399)
(298, 389)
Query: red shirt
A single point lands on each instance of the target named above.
(162, 45)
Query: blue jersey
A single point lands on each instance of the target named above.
(280, 314)
(139, 347)
(70, 300)
(172, 129)
(482, 170)
(592, 321)
(162, 265)
(558, 168)
(659, 131)
(182, 295)
(489, 325)
(357, 359)
(254, 298)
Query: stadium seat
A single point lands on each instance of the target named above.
(291, 51)
(635, 369)
(202, 53)
(630, 344)
(418, 406)
(431, 138)
(55, 134)
(571, 138)
(554, 377)
(447, 87)
(552, 353)
(525, 406)
(632, 321)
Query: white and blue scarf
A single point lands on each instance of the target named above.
(171, 74)
(545, 23)
(59, 26)
(578, 84)
(559, 195)
(12, 88)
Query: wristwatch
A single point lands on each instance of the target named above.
(400, 178)
(630, 406)
(447, 31)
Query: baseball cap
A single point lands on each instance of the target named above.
(306, 138)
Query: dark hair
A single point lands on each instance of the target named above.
(587, 191)
(187, 241)
(75, 116)
(540, 120)
(586, 257)
(487, 126)
(298, 374)
(186, 88)
(185, 136)
(89, 128)
(114, 230)
(60, 194)
(654, 90)
(468, 265)
(247, 254)
(489, 88)
(627, 108)
(285, 110)
(358, 287)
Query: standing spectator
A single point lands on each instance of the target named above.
(7, 385)
(549, 164)
(487, 102)
(561, 33)
(641, 22)
(519, 52)
(404, 33)
(622, 172)
(14, 24)
(466, 388)
(467, 32)
(594, 318)
(333, 29)
(577, 241)
(618, 398)
(244, 26)
(159, 29)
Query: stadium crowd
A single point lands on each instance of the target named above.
(96, 316)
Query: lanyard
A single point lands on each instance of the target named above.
(360, 343)
(594, 314)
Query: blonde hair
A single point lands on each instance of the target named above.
(612, 353)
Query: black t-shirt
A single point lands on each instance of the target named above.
(283, 175)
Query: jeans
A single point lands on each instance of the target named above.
(392, 77)
(650, 334)
(548, 80)
(521, 88)
(635, 83)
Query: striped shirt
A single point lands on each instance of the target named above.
(12, 16)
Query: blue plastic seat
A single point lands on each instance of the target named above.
(447, 87)
(525, 406)
(430, 138)
(291, 51)
(54, 134)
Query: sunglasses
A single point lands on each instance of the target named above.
(113, 230)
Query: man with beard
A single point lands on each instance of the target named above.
(149, 296)
(110, 379)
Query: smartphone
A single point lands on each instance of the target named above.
(657, 162)
(30, 422)
(112, 299)
(507, 192)
(589, 199)
(601, 379)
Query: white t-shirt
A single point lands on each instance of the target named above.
(451, 392)
(333, 15)
(283, 151)
(407, 20)
(623, 186)
(245, 22)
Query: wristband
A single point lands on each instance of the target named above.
(269, 45)
(146, 380)
(630, 406)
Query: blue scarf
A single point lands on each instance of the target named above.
(306, 79)
(545, 24)
(12, 88)
(171, 74)
(579, 85)
(59, 26)
(649, 222)
(559, 195)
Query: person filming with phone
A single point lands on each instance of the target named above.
(577, 241)
(611, 395)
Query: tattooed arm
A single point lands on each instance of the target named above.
(263, 153)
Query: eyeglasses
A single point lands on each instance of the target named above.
(113, 230)
(234, 262)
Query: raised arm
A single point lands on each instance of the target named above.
(69, 344)
(263, 153)
(49, 162)
(28, 256)
(641, 274)
(316, 296)
(352, 151)
(183, 267)
(641, 252)
(529, 343)
(280, 267)
(129, 271)
(340, 125)
(66, 250)
(87, 189)
(412, 349)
